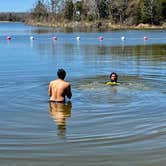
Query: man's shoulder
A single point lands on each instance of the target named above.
(53, 82)
(67, 83)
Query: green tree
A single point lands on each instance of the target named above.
(40, 11)
(69, 10)
(78, 10)
(132, 12)
(149, 11)
(162, 8)
(118, 10)
(103, 9)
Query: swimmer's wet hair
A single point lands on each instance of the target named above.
(61, 73)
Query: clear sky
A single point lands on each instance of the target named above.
(16, 5)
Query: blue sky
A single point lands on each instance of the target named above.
(16, 5)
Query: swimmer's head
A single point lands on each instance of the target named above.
(113, 77)
(61, 73)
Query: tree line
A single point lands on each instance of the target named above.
(12, 16)
(129, 12)
(126, 12)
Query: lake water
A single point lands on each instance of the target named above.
(103, 125)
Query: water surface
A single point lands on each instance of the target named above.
(102, 125)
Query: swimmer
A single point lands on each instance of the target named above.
(59, 89)
(113, 79)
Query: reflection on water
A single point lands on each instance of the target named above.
(59, 113)
(96, 56)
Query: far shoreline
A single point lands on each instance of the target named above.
(98, 25)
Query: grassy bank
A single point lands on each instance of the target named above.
(100, 25)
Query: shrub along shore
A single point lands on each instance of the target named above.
(97, 25)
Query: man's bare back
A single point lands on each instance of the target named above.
(59, 88)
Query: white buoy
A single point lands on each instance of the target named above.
(123, 38)
(101, 38)
(31, 38)
(8, 38)
(78, 38)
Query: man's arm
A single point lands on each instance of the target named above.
(68, 92)
(49, 90)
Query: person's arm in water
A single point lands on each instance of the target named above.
(49, 90)
(68, 91)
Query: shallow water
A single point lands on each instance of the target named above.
(103, 125)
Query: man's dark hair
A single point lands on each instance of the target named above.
(115, 76)
(61, 73)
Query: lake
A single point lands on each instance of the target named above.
(102, 125)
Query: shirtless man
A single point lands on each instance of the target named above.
(59, 88)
